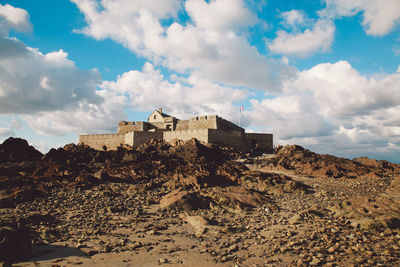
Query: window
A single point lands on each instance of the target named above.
(155, 116)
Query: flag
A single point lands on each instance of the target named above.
(241, 109)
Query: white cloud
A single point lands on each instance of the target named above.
(343, 92)
(209, 45)
(141, 91)
(13, 18)
(317, 39)
(82, 118)
(6, 132)
(379, 16)
(220, 15)
(334, 109)
(195, 95)
(293, 18)
(58, 96)
(33, 82)
(36, 82)
(125, 21)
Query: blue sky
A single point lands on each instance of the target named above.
(322, 74)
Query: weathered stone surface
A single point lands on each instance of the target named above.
(183, 200)
(198, 223)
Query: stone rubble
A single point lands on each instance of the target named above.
(171, 200)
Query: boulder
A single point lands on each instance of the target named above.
(15, 245)
(17, 149)
(183, 200)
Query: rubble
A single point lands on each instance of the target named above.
(170, 200)
(301, 161)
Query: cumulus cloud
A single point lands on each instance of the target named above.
(125, 21)
(140, 91)
(288, 114)
(187, 97)
(209, 43)
(294, 18)
(379, 16)
(13, 18)
(343, 92)
(220, 15)
(48, 90)
(332, 107)
(36, 82)
(82, 118)
(317, 39)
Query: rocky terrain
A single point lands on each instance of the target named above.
(190, 204)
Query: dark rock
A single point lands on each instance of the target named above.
(14, 244)
(183, 200)
(17, 149)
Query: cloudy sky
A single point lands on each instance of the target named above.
(324, 74)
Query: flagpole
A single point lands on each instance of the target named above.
(240, 113)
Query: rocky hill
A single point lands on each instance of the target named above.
(188, 204)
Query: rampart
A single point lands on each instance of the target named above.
(98, 141)
(129, 126)
(135, 139)
(201, 135)
(233, 139)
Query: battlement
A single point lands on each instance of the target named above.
(130, 126)
(203, 118)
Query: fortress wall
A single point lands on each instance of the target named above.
(265, 141)
(158, 125)
(225, 125)
(125, 127)
(203, 122)
(143, 137)
(182, 125)
(201, 135)
(197, 123)
(97, 141)
(233, 139)
(129, 138)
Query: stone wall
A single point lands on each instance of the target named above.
(158, 125)
(182, 125)
(97, 141)
(201, 135)
(143, 137)
(225, 125)
(135, 139)
(125, 126)
(265, 141)
(235, 139)
(198, 123)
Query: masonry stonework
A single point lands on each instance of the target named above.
(207, 129)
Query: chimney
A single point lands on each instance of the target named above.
(160, 110)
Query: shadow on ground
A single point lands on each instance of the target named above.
(50, 252)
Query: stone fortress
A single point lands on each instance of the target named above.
(208, 129)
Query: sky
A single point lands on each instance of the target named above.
(323, 74)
